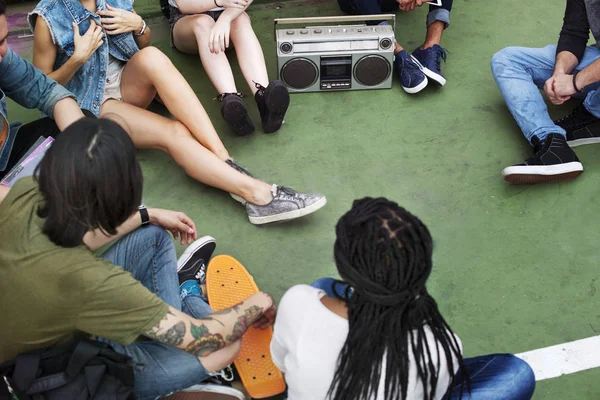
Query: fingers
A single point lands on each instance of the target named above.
(91, 29)
(76, 30)
(192, 232)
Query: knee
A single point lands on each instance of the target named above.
(158, 236)
(153, 59)
(241, 22)
(521, 375)
(503, 58)
(202, 25)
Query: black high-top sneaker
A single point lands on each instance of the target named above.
(272, 101)
(581, 126)
(233, 110)
(552, 160)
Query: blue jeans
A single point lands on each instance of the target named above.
(493, 377)
(373, 7)
(520, 71)
(149, 254)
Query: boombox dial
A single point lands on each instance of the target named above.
(285, 47)
(384, 43)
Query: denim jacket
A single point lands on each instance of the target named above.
(89, 81)
(29, 87)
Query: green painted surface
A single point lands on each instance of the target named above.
(515, 267)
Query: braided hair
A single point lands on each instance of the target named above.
(384, 253)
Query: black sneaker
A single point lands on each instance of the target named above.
(273, 102)
(194, 260)
(581, 126)
(552, 160)
(233, 164)
(233, 110)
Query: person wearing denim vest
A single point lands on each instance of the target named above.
(423, 65)
(102, 64)
(27, 86)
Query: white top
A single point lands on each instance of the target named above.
(308, 339)
(172, 2)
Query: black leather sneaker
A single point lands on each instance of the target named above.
(581, 127)
(552, 160)
(233, 110)
(273, 102)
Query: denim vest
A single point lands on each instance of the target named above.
(89, 81)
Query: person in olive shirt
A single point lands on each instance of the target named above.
(53, 286)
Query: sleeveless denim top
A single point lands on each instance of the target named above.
(89, 81)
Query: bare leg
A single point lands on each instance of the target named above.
(249, 52)
(152, 131)
(190, 35)
(150, 71)
(434, 34)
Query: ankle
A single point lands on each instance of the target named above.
(260, 194)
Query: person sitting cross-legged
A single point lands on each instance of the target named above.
(416, 69)
(206, 27)
(568, 69)
(378, 333)
(100, 51)
(53, 286)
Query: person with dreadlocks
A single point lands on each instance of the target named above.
(378, 333)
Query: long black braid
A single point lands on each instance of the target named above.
(384, 253)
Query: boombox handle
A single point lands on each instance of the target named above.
(343, 18)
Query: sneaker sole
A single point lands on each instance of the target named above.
(192, 248)
(437, 78)
(286, 216)
(277, 102)
(417, 88)
(524, 175)
(582, 142)
(236, 115)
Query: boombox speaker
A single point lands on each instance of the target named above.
(319, 57)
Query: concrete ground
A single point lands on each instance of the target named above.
(515, 267)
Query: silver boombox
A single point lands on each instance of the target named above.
(340, 57)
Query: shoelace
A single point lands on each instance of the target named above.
(260, 87)
(223, 95)
(579, 111)
(440, 54)
(284, 192)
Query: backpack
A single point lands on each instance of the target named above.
(164, 7)
(81, 370)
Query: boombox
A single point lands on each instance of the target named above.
(339, 57)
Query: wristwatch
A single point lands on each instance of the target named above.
(144, 214)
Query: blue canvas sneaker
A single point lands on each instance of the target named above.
(430, 60)
(409, 70)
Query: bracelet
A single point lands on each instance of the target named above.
(144, 26)
(144, 215)
(575, 83)
(216, 3)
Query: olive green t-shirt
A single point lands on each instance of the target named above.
(49, 293)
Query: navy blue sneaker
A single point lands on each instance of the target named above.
(430, 60)
(409, 70)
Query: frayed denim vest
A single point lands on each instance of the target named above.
(89, 81)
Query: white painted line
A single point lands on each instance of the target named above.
(562, 359)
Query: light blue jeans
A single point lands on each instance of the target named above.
(520, 71)
(493, 376)
(149, 254)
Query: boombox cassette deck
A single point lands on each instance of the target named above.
(335, 57)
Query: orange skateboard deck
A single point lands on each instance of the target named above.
(227, 284)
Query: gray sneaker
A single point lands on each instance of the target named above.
(286, 204)
(241, 170)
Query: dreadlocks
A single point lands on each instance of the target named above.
(384, 253)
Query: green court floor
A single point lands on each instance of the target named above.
(516, 268)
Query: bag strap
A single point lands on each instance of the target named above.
(26, 366)
(84, 352)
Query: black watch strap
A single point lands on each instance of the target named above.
(144, 214)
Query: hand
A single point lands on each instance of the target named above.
(242, 4)
(406, 5)
(563, 86)
(116, 21)
(179, 224)
(218, 38)
(550, 89)
(87, 44)
(268, 317)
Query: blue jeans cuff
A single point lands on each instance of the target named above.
(440, 14)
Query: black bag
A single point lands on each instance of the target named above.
(82, 370)
(164, 7)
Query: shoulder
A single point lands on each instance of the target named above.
(299, 295)
(42, 9)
